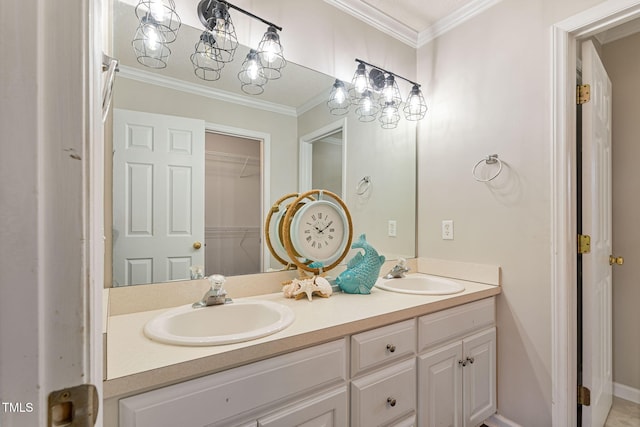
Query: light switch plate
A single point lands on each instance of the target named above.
(392, 228)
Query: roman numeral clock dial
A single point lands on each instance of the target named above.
(320, 231)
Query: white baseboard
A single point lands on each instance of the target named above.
(498, 420)
(627, 393)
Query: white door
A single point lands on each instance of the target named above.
(158, 197)
(596, 218)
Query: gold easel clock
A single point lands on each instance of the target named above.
(315, 230)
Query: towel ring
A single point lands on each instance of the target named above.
(363, 185)
(489, 160)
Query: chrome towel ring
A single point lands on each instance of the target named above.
(491, 159)
(363, 185)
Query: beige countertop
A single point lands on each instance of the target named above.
(136, 363)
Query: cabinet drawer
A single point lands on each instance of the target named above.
(384, 396)
(454, 323)
(409, 421)
(216, 397)
(329, 409)
(374, 348)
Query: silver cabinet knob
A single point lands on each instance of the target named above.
(391, 348)
(391, 401)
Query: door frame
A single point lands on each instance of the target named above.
(565, 36)
(306, 154)
(265, 171)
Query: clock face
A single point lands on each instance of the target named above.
(319, 231)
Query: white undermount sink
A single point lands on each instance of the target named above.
(422, 284)
(239, 321)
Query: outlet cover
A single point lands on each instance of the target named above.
(447, 229)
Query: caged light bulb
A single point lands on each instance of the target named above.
(252, 69)
(221, 28)
(270, 51)
(366, 104)
(153, 40)
(340, 95)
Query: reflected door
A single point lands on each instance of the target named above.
(158, 197)
(596, 222)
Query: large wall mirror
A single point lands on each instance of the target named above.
(197, 164)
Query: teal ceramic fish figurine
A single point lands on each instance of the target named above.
(362, 270)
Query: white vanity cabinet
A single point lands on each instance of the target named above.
(457, 365)
(437, 369)
(383, 369)
(306, 387)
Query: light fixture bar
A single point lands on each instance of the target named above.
(264, 21)
(206, 10)
(387, 71)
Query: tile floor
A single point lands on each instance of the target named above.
(623, 414)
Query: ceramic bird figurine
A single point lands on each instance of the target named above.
(362, 270)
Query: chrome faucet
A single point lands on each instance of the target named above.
(399, 270)
(216, 295)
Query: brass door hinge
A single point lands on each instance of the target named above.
(74, 407)
(583, 94)
(584, 243)
(584, 396)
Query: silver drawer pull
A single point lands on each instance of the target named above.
(391, 348)
(391, 401)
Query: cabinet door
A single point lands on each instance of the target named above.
(479, 383)
(440, 387)
(325, 410)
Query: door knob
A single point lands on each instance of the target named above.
(616, 260)
(197, 245)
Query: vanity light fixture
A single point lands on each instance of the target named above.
(219, 30)
(251, 75)
(339, 102)
(159, 25)
(270, 53)
(375, 93)
(389, 117)
(206, 61)
(415, 108)
(367, 107)
(260, 65)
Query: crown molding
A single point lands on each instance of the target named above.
(200, 90)
(454, 19)
(404, 33)
(379, 20)
(320, 98)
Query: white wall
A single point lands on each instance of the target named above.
(489, 91)
(623, 66)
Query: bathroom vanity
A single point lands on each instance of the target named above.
(385, 359)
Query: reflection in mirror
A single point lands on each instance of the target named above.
(272, 126)
(232, 205)
(326, 169)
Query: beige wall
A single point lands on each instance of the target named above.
(623, 66)
(320, 36)
(488, 87)
(388, 157)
